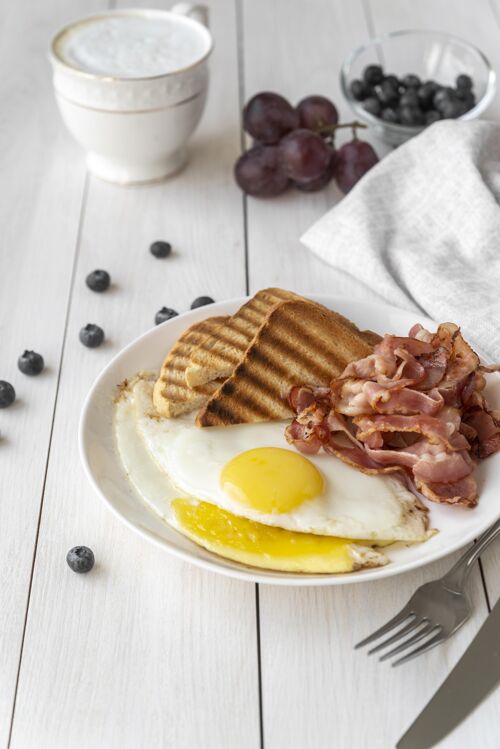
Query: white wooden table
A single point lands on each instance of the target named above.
(147, 651)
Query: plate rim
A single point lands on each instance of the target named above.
(249, 574)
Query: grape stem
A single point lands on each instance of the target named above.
(332, 129)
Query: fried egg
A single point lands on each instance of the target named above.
(223, 533)
(250, 472)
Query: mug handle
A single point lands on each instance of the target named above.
(191, 10)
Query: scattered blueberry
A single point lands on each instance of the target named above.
(373, 74)
(80, 559)
(464, 82)
(411, 81)
(201, 301)
(91, 335)
(160, 249)
(30, 363)
(165, 313)
(98, 280)
(7, 394)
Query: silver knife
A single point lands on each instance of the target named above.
(476, 674)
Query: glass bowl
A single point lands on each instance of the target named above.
(431, 55)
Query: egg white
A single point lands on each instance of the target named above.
(190, 461)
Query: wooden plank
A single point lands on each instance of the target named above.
(41, 183)
(297, 53)
(479, 24)
(144, 651)
(317, 692)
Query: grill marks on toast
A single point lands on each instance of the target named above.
(301, 342)
(171, 395)
(219, 354)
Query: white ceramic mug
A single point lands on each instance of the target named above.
(135, 129)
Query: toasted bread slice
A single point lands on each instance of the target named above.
(371, 337)
(171, 395)
(218, 355)
(301, 342)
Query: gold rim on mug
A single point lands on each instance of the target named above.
(126, 111)
(58, 60)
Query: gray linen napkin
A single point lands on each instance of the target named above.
(422, 229)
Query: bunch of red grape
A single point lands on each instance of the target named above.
(294, 146)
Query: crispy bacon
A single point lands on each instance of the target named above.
(462, 492)
(415, 405)
(434, 365)
(486, 426)
(418, 331)
(433, 429)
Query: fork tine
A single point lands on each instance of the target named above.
(436, 640)
(398, 619)
(422, 632)
(399, 634)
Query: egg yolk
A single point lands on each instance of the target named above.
(249, 542)
(271, 479)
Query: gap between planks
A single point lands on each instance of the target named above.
(241, 99)
(47, 460)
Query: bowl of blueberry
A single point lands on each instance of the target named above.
(401, 82)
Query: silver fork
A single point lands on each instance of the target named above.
(435, 611)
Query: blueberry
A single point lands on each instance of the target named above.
(98, 280)
(432, 116)
(443, 95)
(201, 301)
(372, 105)
(411, 116)
(468, 101)
(411, 81)
(7, 394)
(373, 74)
(409, 98)
(392, 79)
(80, 559)
(160, 249)
(432, 84)
(165, 313)
(388, 93)
(452, 109)
(30, 363)
(389, 114)
(359, 90)
(91, 335)
(426, 94)
(464, 82)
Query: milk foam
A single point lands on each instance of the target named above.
(131, 46)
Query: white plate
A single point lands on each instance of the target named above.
(457, 526)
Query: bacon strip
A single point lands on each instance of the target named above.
(486, 426)
(415, 405)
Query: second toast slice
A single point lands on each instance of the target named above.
(300, 343)
(217, 355)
